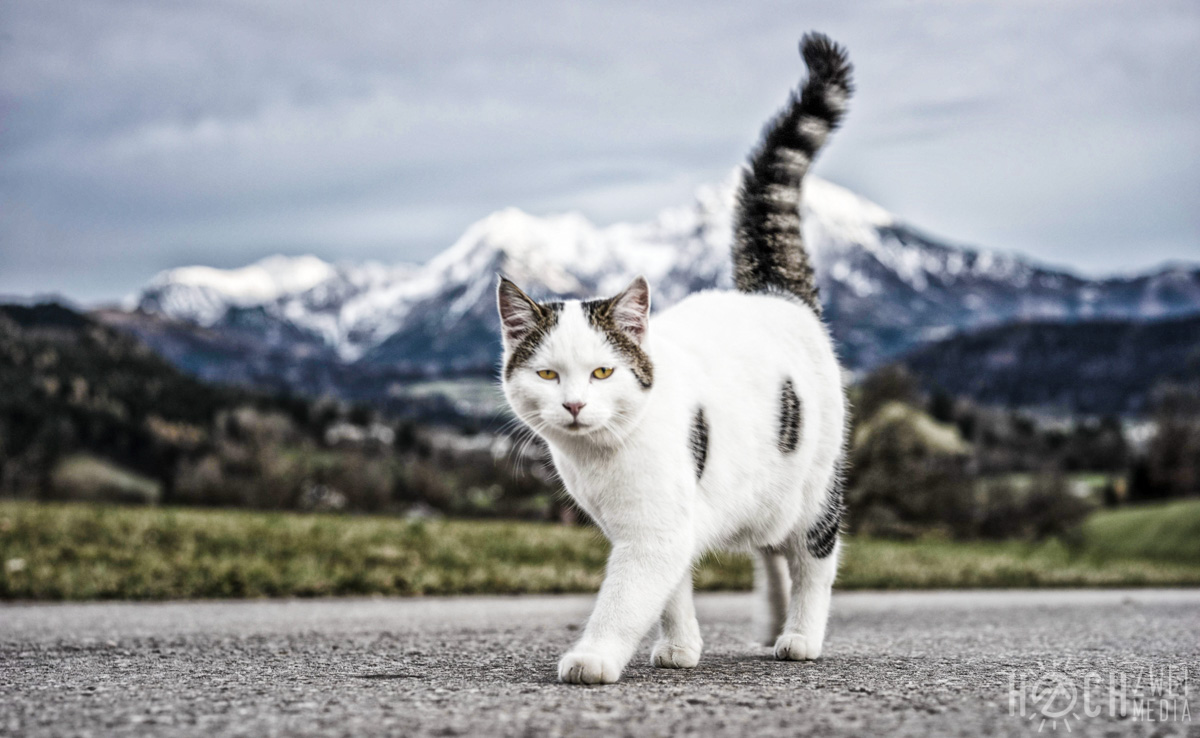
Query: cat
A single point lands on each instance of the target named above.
(718, 424)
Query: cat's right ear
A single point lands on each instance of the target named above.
(519, 314)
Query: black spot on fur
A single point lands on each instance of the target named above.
(789, 418)
(600, 314)
(699, 442)
(822, 536)
(768, 249)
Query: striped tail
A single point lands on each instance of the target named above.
(768, 249)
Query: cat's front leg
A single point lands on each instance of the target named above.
(679, 641)
(640, 577)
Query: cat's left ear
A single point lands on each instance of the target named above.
(631, 309)
(519, 314)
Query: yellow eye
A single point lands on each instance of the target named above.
(603, 372)
(547, 374)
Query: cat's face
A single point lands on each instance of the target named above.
(576, 369)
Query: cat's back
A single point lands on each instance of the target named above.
(748, 333)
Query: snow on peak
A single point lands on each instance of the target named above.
(262, 281)
(204, 294)
(835, 204)
(512, 240)
(356, 307)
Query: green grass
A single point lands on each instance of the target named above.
(940, 564)
(77, 551)
(80, 552)
(1168, 532)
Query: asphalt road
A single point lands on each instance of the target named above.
(895, 664)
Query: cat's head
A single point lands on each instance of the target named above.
(576, 369)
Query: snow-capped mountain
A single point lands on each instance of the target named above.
(886, 286)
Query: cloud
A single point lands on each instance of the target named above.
(139, 135)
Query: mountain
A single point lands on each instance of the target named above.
(54, 359)
(1092, 367)
(886, 285)
(68, 384)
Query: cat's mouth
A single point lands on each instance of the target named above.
(576, 426)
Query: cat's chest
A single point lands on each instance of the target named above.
(624, 489)
(602, 486)
(589, 479)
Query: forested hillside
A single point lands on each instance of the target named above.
(1095, 367)
(87, 412)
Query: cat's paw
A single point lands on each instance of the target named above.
(580, 667)
(797, 647)
(674, 656)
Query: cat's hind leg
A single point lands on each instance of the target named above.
(813, 567)
(679, 641)
(773, 584)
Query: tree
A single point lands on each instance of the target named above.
(891, 383)
(908, 474)
(1171, 467)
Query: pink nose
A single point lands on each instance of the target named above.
(574, 408)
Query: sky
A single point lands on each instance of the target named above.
(138, 136)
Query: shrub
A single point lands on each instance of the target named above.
(83, 477)
(1001, 516)
(1045, 507)
(908, 473)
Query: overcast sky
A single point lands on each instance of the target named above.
(136, 136)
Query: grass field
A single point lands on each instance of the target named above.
(81, 552)
(1167, 532)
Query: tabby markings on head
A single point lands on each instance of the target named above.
(600, 315)
(698, 440)
(545, 318)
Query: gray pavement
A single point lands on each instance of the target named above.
(941, 663)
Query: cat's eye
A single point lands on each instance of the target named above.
(603, 372)
(547, 374)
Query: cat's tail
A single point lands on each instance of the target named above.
(768, 248)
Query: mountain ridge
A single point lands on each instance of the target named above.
(887, 286)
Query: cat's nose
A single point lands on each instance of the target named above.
(574, 408)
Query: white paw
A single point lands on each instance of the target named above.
(674, 656)
(579, 667)
(797, 647)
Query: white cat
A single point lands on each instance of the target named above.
(718, 424)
